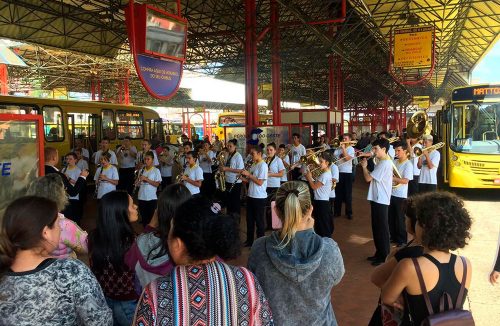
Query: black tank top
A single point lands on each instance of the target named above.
(447, 283)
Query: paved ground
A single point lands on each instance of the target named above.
(355, 298)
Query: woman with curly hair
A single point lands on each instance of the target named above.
(73, 239)
(443, 225)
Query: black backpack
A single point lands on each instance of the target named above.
(454, 315)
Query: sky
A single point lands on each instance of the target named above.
(488, 69)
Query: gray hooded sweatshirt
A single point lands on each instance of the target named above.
(298, 279)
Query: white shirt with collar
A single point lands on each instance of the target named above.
(194, 173)
(259, 171)
(344, 167)
(406, 171)
(380, 189)
(323, 192)
(140, 158)
(104, 186)
(275, 166)
(429, 176)
(206, 165)
(414, 159)
(286, 160)
(296, 152)
(236, 162)
(146, 190)
(335, 175)
(126, 159)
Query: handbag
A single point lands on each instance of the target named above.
(454, 315)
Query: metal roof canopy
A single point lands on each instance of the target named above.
(465, 29)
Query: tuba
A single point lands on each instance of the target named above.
(417, 125)
(220, 176)
(311, 161)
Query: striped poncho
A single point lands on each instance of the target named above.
(208, 294)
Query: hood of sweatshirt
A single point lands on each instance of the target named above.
(146, 242)
(300, 258)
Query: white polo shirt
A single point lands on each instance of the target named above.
(206, 165)
(275, 166)
(323, 192)
(85, 152)
(416, 170)
(406, 171)
(166, 168)
(286, 159)
(104, 186)
(429, 176)
(147, 191)
(82, 164)
(296, 152)
(126, 159)
(140, 156)
(195, 173)
(380, 189)
(112, 160)
(236, 162)
(259, 171)
(73, 174)
(334, 170)
(344, 167)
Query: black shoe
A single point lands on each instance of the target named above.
(349, 217)
(377, 262)
(372, 258)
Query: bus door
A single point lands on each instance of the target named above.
(156, 127)
(71, 130)
(95, 135)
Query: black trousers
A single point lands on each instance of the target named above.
(380, 229)
(343, 193)
(271, 193)
(232, 200)
(127, 179)
(165, 181)
(323, 219)
(74, 210)
(397, 225)
(413, 186)
(147, 209)
(426, 187)
(208, 185)
(255, 217)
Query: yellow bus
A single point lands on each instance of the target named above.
(237, 119)
(470, 126)
(173, 131)
(64, 121)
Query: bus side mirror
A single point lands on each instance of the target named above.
(446, 115)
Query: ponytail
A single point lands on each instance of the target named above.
(292, 202)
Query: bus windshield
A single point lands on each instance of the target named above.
(475, 128)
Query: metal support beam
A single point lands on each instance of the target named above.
(275, 63)
(251, 100)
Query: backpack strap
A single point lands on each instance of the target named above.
(462, 284)
(422, 286)
(441, 302)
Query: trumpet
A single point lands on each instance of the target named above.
(337, 143)
(393, 139)
(420, 151)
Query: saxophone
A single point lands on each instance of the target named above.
(220, 176)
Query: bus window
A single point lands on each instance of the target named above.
(108, 126)
(81, 124)
(130, 123)
(18, 109)
(52, 123)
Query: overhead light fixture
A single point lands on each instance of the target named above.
(413, 19)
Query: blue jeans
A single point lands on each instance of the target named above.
(123, 311)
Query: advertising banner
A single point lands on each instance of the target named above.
(423, 102)
(160, 76)
(413, 47)
(262, 134)
(21, 155)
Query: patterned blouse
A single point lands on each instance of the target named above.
(73, 239)
(59, 292)
(211, 294)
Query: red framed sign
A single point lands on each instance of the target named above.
(158, 41)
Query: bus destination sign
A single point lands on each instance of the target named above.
(478, 93)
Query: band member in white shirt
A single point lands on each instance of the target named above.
(106, 176)
(126, 154)
(186, 147)
(297, 150)
(80, 161)
(257, 195)
(205, 157)
(322, 186)
(74, 210)
(146, 147)
(85, 152)
(413, 143)
(166, 164)
(193, 174)
(105, 149)
(334, 170)
(428, 164)
(397, 225)
(276, 170)
(344, 154)
(386, 135)
(286, 162)
(234, 164)
(379, 195)
(148, 182)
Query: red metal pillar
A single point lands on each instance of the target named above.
(126, 88)
(4, 79)
(275, 62)
(331, 95)
(340, 93)
(251, 100)
(92, 89)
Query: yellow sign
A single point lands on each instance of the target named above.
(267, 87)
(413, 47)
(423, 102)
(60, 93)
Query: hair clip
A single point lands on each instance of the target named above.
(293, 191)
(216, 208)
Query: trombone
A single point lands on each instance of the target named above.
(337, 143)
(304, 159)
(420, 151)
(364, 152)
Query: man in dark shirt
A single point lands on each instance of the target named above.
(51, 159)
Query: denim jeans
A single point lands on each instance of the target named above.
(123, 311)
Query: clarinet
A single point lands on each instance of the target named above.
(248, 164)
(137, 183)
(98, 182)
